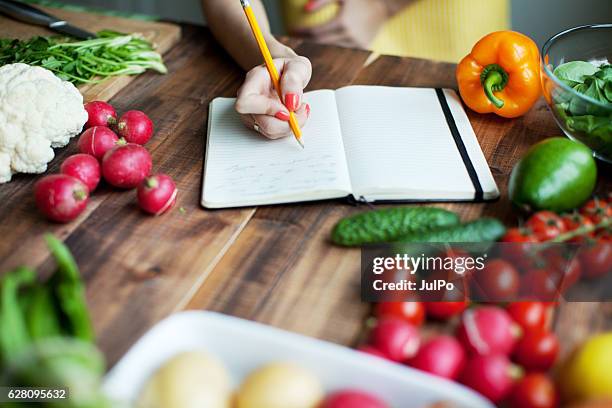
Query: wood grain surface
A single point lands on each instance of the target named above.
(273, 264)
(162, 35)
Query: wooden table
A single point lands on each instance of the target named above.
(274, 264)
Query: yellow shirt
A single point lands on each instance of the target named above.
(443, 30)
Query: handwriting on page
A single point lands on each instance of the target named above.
(244, 167)
(278, 177)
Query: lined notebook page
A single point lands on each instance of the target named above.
(398, 145)
(244, 168)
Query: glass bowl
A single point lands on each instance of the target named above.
(582, 117)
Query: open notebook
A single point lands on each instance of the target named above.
(371, 143)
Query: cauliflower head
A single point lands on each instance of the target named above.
(38, 111)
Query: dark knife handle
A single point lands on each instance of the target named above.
(26, 13)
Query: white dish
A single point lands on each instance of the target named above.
(244, 346)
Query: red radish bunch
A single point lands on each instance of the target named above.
(135, 127)
(98, 140)
(443, 356)
(488, 330)
(83, 167)
(395, 338)
(491, 375)
(61, 198)
(100, 114)
(126, 166)
(352, 399)
(157, 194)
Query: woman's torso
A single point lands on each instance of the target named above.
(443, 30)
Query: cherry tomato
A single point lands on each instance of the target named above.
(537, 350)
(498, 281)
(605, 236)
(596, 259)
(540, 284)
(529, 315)
(545, 225)
(518, 243)
(569, 271)
(597, 210)
(534, 391)
(574, 221)
(445, 310)
(454, 253)
(412, 312)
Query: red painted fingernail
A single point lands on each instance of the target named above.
(307, 109)
(310, 6)
(282, 115)
(292, 102)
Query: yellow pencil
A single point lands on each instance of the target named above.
(263, 47)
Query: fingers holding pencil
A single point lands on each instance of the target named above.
(259, 104)
(275, 127)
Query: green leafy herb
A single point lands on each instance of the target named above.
(89, 61)
(573, 72)
(592, 120)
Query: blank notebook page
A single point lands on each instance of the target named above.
(399, 146)
(245, 168)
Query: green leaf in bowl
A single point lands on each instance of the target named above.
(573, 73)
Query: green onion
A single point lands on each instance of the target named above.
(90, 61)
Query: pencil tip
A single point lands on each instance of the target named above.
(301, 143)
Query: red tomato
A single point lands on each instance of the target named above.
(455, 253)
(605, 236)
(569, 271)
(545, 225)
(445, 310)
(540, 284)
(534, 391)
(412, 312)
(537, 350)
(529, 315)
(498, 281)
(517, 246)
(574, 221)
(596, 259)
(597, 210)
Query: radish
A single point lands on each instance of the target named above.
(100, 114)
(371, 351)
(126, 166)
(352, 399)
(442, 355)
(157, 194)
(60, 197)
(488, 330)
(98, 140)
(135, 127)
(493, 376)
(83, 167)
(395, 338)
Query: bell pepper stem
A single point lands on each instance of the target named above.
(493, 79)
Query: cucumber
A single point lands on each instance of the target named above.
(482, 230)
(388, 225)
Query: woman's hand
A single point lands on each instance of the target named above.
(355, 25)
(258, 102)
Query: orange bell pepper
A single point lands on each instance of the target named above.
(501, 75)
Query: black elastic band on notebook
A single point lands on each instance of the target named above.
(469, 166)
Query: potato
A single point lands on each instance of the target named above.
(280, 385)
(188, 380)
